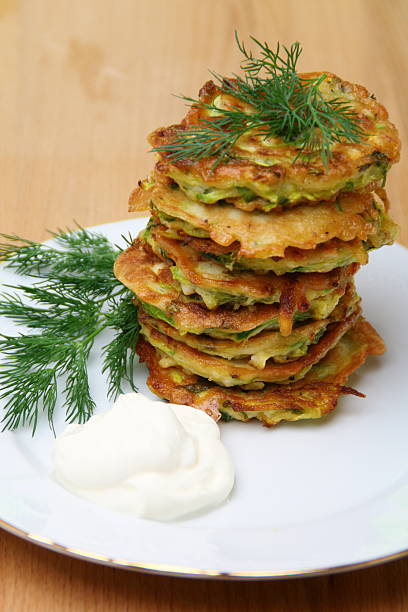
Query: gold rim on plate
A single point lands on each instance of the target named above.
(190, 572)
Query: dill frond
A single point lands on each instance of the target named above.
(282, 104)
(119, 354)
(75, 298)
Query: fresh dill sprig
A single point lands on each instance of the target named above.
(29, 378)
(81, 253)
(119, 354)
(75, 298)
(278, 103)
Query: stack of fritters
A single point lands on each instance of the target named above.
(244, 277)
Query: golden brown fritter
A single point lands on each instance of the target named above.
(311, 398)
(239, 372)
(324, 257)
(262, 173)
(217, 285)
(151, 279)
(263, 235)
(268, 344)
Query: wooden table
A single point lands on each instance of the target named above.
(82, 85)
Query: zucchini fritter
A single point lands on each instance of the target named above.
(152, 281)
(332, 254)
(268, 344)
(262, 235)
(311, 398)
(261, 173)
(239, 372)
(217, 285)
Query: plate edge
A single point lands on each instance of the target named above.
(188, 572)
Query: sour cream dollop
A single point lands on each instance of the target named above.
(147, 458)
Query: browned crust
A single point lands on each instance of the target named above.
(139, 199)
(265, 235)
(133, 268)
(136, 263)
(208, 246)
(341, 165)
(181, 387)
(258, 285)
(271, 372)
(194, 391)
(218, 346)
(368, 342)
(292, 287)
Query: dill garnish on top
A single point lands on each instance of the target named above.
(276, 102)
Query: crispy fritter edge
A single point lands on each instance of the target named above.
(305, 399)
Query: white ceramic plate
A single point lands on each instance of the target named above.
(310, 497)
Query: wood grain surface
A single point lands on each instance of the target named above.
(83, 82)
